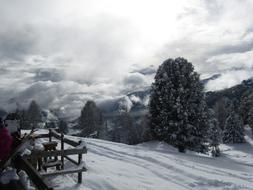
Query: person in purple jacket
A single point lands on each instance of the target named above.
(6, 141)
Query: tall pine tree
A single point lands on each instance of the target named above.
(177, 106)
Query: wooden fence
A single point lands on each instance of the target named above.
(79, 149)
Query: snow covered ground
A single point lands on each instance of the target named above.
(156, 165)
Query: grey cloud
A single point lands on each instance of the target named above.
(234, 48)
(150, 70)
(62, 58)
(53, 75)
(60, 65)
(15, 43)
(229, 79)
(134, 81)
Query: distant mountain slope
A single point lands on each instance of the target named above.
(137, 101)
(133, 102)
(205, 81)
(235, 92)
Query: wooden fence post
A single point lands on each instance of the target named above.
(62, 148)
(50, 135)
(80, 176)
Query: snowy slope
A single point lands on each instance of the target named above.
(156, 165)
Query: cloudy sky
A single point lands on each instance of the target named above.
(63, 52)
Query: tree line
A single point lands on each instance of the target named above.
(177, 114)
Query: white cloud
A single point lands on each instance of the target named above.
(87, 49)
(232, 60)
(229, 79)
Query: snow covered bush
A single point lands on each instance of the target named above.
(177, 106)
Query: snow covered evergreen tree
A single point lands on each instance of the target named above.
(63, 126)
(24, 120)
(91, 120)
(145, 133)
(177, 106)
(126, 122)
(249, 120)
(221, 111)
(246, 108)
(214, 134)
(234, 131)
(33, 114)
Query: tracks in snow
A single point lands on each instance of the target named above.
(173, 168)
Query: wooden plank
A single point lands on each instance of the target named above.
(66, 140)
(52, 164)
(80, 177)
(80, 159)
(70, 142)
(62, 148)
(63, 172)
(36, 178)
(58, 152)
(46, 135)
(71, 160)
(50, 135)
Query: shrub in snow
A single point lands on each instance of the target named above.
(177, 106)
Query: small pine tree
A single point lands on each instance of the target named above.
(177, 106)
(214, 134)
(234, 131)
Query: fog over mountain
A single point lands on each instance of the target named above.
(62, 53)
